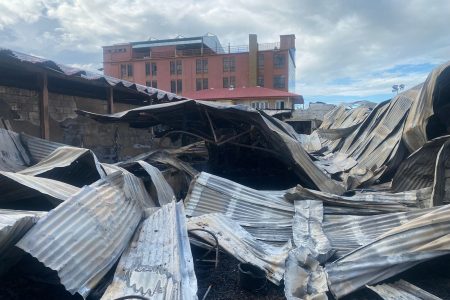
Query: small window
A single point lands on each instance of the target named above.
(172, 67)
(260, 104)
(201, 66)
(179, 67)
(130, 70)
(226, 83)
(147, 69)
(154, 84)
(148, 83)
(179, 86)
(205, 83)
(201, 84)
(261, 61)
(260, 80)
(279, 82)
(123, 71)
(154, 69)
(232, 81)
(278, 60)
(229, 64)
(173, 86)
(280, 104)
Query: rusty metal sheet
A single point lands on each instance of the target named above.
(83, 237)
(241, 244)
(158, 263)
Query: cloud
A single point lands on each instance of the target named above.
(344, 48)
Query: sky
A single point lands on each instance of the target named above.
(347, 50)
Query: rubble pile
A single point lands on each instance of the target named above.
(352, 206)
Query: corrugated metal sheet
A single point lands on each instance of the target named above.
(417, 171)
(13, 225)
(402, 290)
(38, 148)
(16, 187)
(347, 232)
(307, 229)
(193, 117)
(304, 277)
(158, 263)
(241, 244)
(13, 156)
(164, 192)
(263, 213)
(75, 166)
(441, 185)
(430, 97)
(368, 202)
(83, 237)
(398, 249)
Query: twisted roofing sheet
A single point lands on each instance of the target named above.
(158, 263)
(83, 237)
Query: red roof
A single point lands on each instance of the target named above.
(239, 93)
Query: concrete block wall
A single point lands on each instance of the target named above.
(110, 142)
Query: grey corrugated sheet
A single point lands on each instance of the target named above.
(402, 290)
(398, 249)
(366, 203)
(304, 277)
(78, 75)
(13, 225)
(192, 116)
(13, 156)
(76, 166)
(16, 187)
(346, 232)
(38, 148)
(84, 236)
(308, 229)
(262, 213)
(158, 263)
(417, 171)
(241, 244)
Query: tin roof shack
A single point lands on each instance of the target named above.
(39, 97)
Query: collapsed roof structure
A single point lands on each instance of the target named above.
(353, 205)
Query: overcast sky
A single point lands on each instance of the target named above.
(346, 50)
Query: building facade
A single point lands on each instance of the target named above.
(186, 65)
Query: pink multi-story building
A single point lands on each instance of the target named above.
(188, 66)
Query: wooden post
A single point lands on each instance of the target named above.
(43, 105)
(110, 99)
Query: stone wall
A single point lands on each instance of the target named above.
(110, 142)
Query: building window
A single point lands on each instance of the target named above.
(279, 82)
(260, 80)
(130, 70)
(229, 64)
(173, 86)
(154, 69)
(123, 71)
(201, 84)
(179, 86)
(147, 69)
(229, 82)
(279, 104)
(179, 67)
(172, 67)
(279, 60)
(260, 104)
(261, 61)
(201, 66)
(152, 84)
